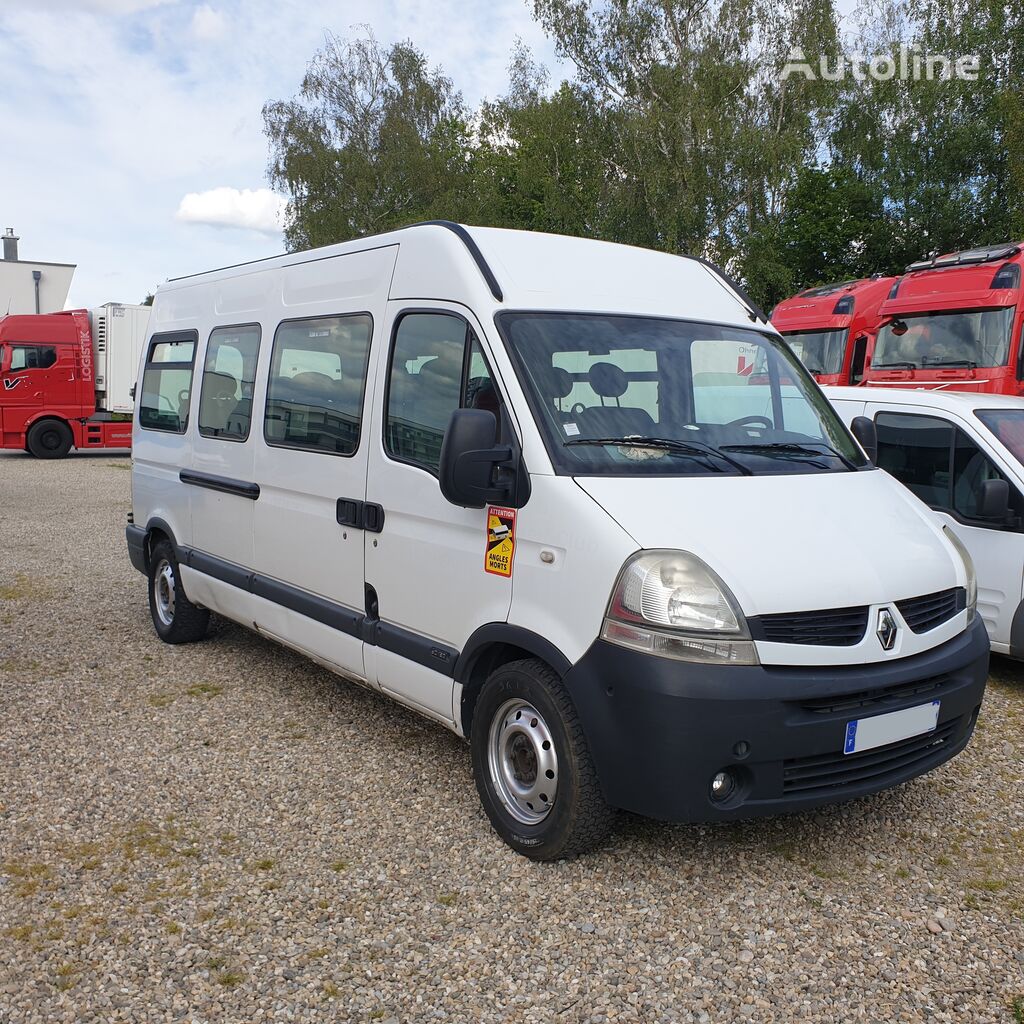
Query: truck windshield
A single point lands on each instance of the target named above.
(1008, 426)
(820, 351)
(626, 395)
(936, 340)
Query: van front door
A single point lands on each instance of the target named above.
(425, 557)
(944, 466)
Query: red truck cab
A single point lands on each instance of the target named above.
(832, 328)
(48, 387)
(955, 321)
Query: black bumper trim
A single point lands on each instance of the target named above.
(659, 730)
(135, 536)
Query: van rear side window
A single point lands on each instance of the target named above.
(167, 382)
(225, 405)
(317, 379)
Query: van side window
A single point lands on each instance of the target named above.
(316, 384)
(167, 382)
(225, 403)
(938, 462)
(432, 374)
(32, 357)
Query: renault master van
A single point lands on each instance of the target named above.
(576, 501)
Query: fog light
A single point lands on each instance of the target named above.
(723, 785)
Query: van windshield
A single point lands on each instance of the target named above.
(1008, 426)
(936, 340)
(820, 351)
(626, 395)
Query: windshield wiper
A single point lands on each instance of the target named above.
(898, 365)
(969, 363)
(788, 448)
(668, 444)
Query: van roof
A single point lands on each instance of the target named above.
(529, 270)
(963, 401)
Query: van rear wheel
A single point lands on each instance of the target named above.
(532, 766)
(176, 619)
(49, 439)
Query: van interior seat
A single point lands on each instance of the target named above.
(218, 400)
(610, 382)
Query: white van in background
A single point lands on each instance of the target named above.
(571, 499)
(961, 453)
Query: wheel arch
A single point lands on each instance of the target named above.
(491, 646)
(157, 529)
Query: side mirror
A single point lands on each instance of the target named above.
(863, 429)
(474, 470)
(994, 500)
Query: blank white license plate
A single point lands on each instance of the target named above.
(866, 733)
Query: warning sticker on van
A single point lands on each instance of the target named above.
(501, 541)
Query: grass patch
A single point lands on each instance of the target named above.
(160, 700)
(331, 991)
(448, 899)
(339, 865)
(216, 963)
(21, 932)
(172, 928)
(988, 884)
(205, 690)
(264, 865)
(25, 588)
(229, 979)
(1017, 1009)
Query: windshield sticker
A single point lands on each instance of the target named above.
(501, 541)
(571, 429)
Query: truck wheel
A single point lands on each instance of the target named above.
(49, 439)
(176, 619)
(532, 765)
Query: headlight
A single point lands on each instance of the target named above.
(972, 576)
(671, 604)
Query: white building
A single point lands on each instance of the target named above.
(27, 286)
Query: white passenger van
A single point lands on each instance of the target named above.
(576, 501)
(962, 453)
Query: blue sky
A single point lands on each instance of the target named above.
(131, 136)
(112, 112)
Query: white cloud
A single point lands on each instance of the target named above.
(208, 24)
(258, 209)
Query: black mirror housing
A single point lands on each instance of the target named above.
(863, 428)
(994, 500)
(474, 470)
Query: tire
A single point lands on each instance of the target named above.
(176, 619)
(525, 728)
(49, 439)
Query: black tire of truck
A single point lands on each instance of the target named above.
(49, 439)
(526, 730)
(175, 618)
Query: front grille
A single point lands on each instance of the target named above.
(829, 773)
(835, 627)
(902, 694)
(924, 613)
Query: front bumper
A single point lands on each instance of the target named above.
(659, 730)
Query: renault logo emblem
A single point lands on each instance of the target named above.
(887, 629)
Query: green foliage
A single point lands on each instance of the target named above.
(678, 132)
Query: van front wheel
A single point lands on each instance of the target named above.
(176, 619)
(532, 765)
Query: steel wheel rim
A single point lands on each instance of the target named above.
(522, 761)
(163, 592)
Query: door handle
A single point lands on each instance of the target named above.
(350, 512)
(360, 515)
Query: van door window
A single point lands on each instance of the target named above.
(167, 382)
(938, 461)
(225, 403)
(432, 374)
(316, 385)
(32, 357)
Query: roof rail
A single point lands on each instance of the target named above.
(969, 257)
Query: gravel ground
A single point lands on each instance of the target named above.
(226, 832)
